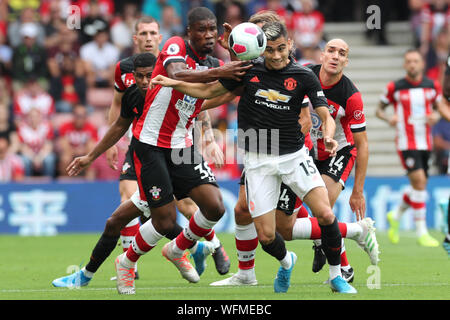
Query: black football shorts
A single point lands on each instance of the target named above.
(163, 173)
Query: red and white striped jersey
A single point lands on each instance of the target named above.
(413, 102)
(78, 136)
(169, 115)
(346, 107)
(24, 102)
(11, 168)
(35, 138)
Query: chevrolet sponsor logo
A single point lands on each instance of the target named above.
(272, 95)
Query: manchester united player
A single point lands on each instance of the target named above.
(166, 162)
(276, 152)
(414, 98)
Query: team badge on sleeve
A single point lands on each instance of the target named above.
(358, 114)
(155, 193)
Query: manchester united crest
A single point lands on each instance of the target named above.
(290, 84)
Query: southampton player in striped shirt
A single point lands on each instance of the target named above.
(414, 97)
(147, 38)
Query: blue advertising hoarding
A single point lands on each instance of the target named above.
(52, 208)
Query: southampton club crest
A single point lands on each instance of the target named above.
(154, 191)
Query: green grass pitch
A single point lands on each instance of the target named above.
(406, 271)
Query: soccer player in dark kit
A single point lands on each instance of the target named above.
(275, 153)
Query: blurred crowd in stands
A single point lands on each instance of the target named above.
(56, 81)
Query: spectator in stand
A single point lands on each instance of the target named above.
(122, 27)
(32, 95)
(441, 145)
(6, 54)
(100, 57)
(11, 166)
(100, 167)
(55, 25)
(92, 21)
(67, 76)
(8, 127)
(170, 24)
(435, 15)
(153, 8)
(29, 57)
(104, 8)
(75, 138)
(307, 28)
(36, 145)
(415, 19)
(436, 58)
(27, 15)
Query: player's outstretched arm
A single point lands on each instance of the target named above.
(218, 101)
(357, 200)
(328, 129)
(234, 70)
(196, 90)
(114, 133)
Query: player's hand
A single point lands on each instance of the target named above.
(163, 81)
(331, 145)
(223, 39)
(358, 205)
(112, 157)
(214, 154)
(393, 120)
(77, 165)
(234, 70)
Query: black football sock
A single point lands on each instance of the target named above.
(105, 245)
(277, 248)
(332, 242)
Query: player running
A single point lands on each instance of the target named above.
(166, 162)
(414, 97)
(131, 106)
(346, 105)
(147, 38)
(268, 106)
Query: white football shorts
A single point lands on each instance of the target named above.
(264, 174)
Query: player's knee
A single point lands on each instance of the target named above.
(214, 210)
(164, 224)
(113, 226)
(266, 237)
(325, 216)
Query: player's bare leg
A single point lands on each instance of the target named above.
(415, 198)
